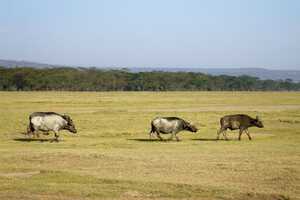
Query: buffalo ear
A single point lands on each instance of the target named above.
(185, 124)
(192, 124)
(258, 118)
(66, 117)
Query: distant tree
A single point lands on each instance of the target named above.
(93, 79)
(19, 80)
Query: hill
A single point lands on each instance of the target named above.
(261, 73)
(22, 63)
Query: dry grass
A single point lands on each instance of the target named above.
(112, 158)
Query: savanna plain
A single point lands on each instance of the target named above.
(112, 157)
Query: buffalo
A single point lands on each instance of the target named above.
(170, 125)
(241, 122)
(49, 121)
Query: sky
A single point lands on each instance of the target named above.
(152, 33)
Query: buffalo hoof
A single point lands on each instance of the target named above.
(54, 140)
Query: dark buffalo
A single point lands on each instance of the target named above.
(241, 122)
(49, 121)
(170, 125)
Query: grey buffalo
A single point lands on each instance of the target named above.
(170, 125)
(241, 122)
(49, 121)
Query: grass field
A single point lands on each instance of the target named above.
(111, 157)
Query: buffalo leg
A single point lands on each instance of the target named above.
(247, 132)
(240, 133)
(221, 130)
(29, 132)
(150, 135)
(224, 135)
(158, 135)
(152, 132)
(46, 133)
(173, 134)
(37, 134)
(56, 137)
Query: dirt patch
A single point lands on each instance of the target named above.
(20, 174)
(132, 194)
(256, 196)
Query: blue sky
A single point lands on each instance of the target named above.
(152, 33)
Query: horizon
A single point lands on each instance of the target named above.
(146, 67)
(169, 34)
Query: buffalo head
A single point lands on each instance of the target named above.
(70, 125)
(190, 127)
(258, 122)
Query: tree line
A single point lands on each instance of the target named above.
(94, 79)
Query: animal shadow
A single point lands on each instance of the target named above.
(145, 140)
(211, 139)
(33, 139)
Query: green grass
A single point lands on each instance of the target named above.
(112, 158)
